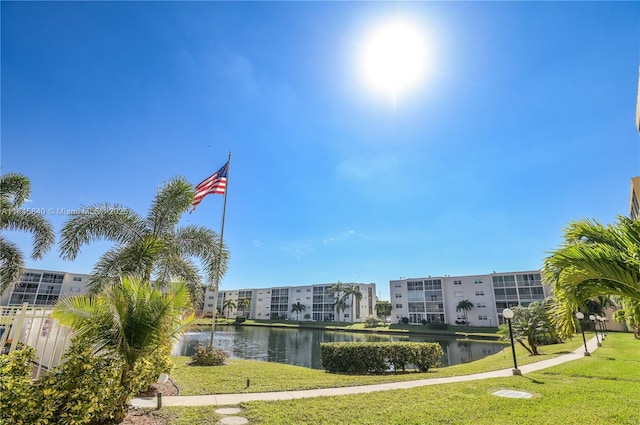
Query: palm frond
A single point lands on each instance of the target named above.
(36, 224)
(172, 200)
(111, 222)
(204, 244)
(11, 265)
(14, 190)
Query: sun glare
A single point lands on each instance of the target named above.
(394, 58)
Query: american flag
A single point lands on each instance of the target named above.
(216, 184)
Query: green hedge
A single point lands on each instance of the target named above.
(379, 357)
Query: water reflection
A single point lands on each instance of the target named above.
(302, 346)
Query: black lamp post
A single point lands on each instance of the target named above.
(507, 313)
(593, 319)
(580, 316)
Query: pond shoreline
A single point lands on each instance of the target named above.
(383, 331)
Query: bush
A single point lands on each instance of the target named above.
(240, 319)
(424, 321)
(404, 320)
(440, 326)
(208, 356)
(378, 357)
(371, 322)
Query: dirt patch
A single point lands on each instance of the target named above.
(144, 417)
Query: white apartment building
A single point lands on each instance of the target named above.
(44, 287)
(434, 299)
(276, 302)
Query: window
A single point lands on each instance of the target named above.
(308, 298)
(479, 293)
(458, 294)
(77, 279)
(483, 317)
(398, 305)
(457, 282)
(398, 285)
(209, 305)
(297, 290)
(75, 289)
(308, 289)
(481, 305)
(259, 299)
(346, 315)
(398, 295)
(478, 282)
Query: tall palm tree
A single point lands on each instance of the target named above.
(131, 319)
(14, 191)
(337, 290)
(153, 248)
(594, 260)
(465, 306)
(298, 308)
(244, 303)
(229, 304)
(383, 308)
(354, 292)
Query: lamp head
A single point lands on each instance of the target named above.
(580, 315)
(507, 313)
(592, 317)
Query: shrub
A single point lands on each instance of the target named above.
(405, 320)
(240, 319)
(440, 326)
(208, 356)
(371, 322)
(424, 321)
(378, 357)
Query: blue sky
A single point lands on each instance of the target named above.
(523, 122)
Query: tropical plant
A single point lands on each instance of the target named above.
(244, 303)
(14, 191)
(229, 304)
(353, 291)
(594, 260)
(383, 308)
(152, 247)
(132, 319)
(630, 315)
(205, 355)
(465, 306)
(337, 290)
(307, 316)
(298, 308)
(531, 327)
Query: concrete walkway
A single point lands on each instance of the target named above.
(233, 399)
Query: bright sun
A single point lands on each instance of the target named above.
(394, 58)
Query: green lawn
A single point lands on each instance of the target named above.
(232, 378)
(600, 389)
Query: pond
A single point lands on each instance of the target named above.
(301, 347)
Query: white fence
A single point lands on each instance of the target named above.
(33, 326)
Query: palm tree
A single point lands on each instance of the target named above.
(383, 308)
(465, 306)
(229, 304)
(356, 294)
(14, 191)
(131, 319)
(244, 303)
(336, 289)
(152, 248)
(298, 308)
(594, 260)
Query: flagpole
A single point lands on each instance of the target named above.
(216, 285)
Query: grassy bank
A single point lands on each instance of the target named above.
(232, 378)
(394, 329)
(596, 390)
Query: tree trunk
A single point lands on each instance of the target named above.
(525, 347)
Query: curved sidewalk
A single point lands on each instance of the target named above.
(233, 399)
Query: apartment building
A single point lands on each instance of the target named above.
(434, 299)
(44, 287)
(277, 302)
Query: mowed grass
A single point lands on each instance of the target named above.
(600, 389)
(263, 376)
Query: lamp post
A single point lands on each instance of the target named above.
(600, 321)
(580, 316)
(507, 313)
(593, 319)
